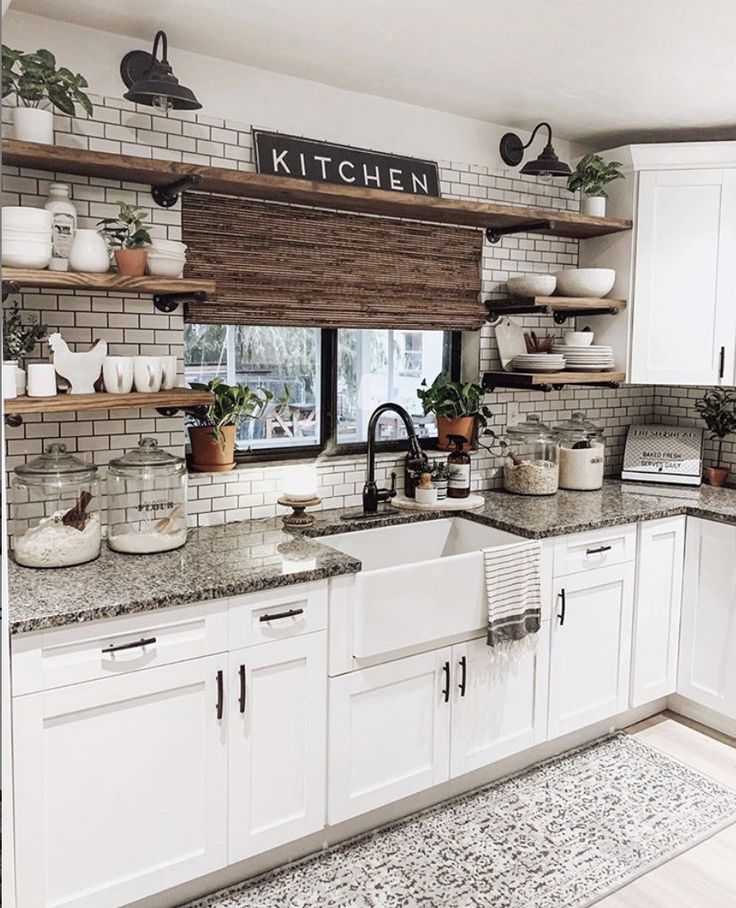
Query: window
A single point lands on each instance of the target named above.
(354, 370)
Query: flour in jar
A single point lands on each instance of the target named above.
(146, 543)
(53, 544)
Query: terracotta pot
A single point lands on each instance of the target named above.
(207, 455)
(463, 425)
(131, 262)
(716, 476)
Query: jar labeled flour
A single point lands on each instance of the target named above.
(582, 453)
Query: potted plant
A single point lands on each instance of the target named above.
(212, 429)
(441, 472)
(128, 237)
(19, 339)
(591, 176)
(35, 81)
(717, 409)
(458, 408)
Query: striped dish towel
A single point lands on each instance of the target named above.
(514, 591)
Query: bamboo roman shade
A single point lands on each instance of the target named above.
(283, 265)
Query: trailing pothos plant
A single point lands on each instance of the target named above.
(717, 409)
(127, 230)
(35, 81)
(232, 404)
(592, 174)
(453, 399)
(19, 336)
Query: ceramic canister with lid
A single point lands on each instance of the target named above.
(56, 521)
(531, 466)
(146, 500)
(582, 453)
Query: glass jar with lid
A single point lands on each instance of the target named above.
(146, 500)
(531, 466)
(56, 520)
(582, 453)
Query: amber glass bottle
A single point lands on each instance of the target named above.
(459, 463)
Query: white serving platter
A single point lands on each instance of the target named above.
(447, 504)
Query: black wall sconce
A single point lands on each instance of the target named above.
(546, 165)
(151, 81)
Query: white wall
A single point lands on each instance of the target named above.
(276, 101)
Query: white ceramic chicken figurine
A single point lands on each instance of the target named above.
(81, 370)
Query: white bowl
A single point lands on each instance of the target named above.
(175, 256)
(42, 239)
(19, 255)
(164, 267)
(172, 246)
(589, 282)
(532, 285)
(17, 216)
(31, 230)
(578, 338)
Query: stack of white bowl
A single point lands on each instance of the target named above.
(166, 258)
(26, 237)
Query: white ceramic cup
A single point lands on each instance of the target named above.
(41, 380)
(168, 372)
(118, 372)
(10, 388)
(89, 252)
(147, 373)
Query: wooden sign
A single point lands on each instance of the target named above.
(308, 159)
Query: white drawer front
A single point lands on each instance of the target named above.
(599, 548)
(113, 646)
(276, 614)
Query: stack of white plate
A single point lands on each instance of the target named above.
(538, 362)
(594, 358)
(166, 258)
(26, 237)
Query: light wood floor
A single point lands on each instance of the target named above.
(705, 876)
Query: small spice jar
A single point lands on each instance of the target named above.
(531, 466)
(146, 500)
(582, 453)
(56, 521)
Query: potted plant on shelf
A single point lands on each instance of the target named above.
(717, 409)
(35, 81)
(128, 237)
(19, 339)
(591, 176)
(458, 408)
(212, 429)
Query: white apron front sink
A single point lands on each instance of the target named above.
(420, 582)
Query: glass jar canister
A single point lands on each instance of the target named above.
(146, 500)
(531, 466)
(56, 520)
(582, 453)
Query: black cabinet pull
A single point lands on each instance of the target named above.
(116, 647)
(463, 675)
(220, 695)
(241, 699)
(598, 549)
(722, 362)
(290, 613)
(561, 597)
(446, 688)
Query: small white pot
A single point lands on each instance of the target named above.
(89, 252)
(594, 206)
(10, 388)
(31, 124)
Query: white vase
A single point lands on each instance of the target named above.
(20, 380)
(89, 252)
(10, 389)
(31, 124)
(594, 206)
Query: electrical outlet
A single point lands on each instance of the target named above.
(513, 413)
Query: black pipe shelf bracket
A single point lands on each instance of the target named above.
(14, 420)
(494, 234)
(8, 288)
(168, 302)
(167, 195)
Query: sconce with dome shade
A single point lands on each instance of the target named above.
(546, 165)
(152, 82)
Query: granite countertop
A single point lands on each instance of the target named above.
(258, 555)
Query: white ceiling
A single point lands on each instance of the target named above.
(602, 71)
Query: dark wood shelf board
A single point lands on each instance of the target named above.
(569, 305)
(77, 280)
(545, 380)
(177, 398)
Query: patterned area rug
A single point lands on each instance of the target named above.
(559, 835)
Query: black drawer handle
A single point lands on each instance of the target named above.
(117, 647)
(220, 695)
(446, 688)
(463, 675)
(287, 614)
(241, 699)
(598, 550)
(563, 602)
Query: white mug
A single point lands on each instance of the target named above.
(41, 380)
(147, 373)
(168, 372)
(118, 374)
(10, 388)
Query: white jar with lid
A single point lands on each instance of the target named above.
(531, 466)
(64, 225)
(582, 453)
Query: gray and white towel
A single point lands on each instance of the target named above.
(514, 590)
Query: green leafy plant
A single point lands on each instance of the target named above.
(441, 469)
(592, 174)
(454, 399)
(232, 404)
(20, 337)
(717, 409)
(35, 81)
(127, 230)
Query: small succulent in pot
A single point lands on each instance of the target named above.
(717, 409)
(441, 472)
(458, 408)
(591, 176)
(128, 236)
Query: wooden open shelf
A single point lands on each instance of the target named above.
(547, 381)
(566, 305)
(304, 192)
(176, 399)
(78, 280)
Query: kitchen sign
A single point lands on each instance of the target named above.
(660, 453)
(308, 159)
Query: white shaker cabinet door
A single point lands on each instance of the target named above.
(684, 317)
(120, 786)
(657, 609)
(389, 732)
(591, 647)
(278, 743)
(707, 673)
(499, 702)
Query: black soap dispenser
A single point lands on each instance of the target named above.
(459, 463)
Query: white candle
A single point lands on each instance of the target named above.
(300, 482)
